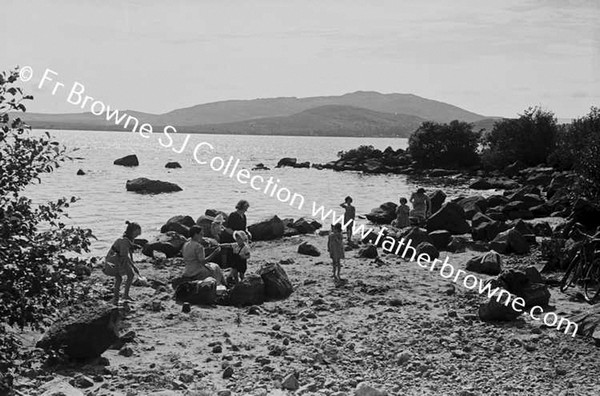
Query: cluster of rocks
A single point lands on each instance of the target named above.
(177, 228)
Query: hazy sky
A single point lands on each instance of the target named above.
(490, 57)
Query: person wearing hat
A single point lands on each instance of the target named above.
(240, 253)
(421, 205)
(216, 227)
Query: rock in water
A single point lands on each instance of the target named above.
(128, 160)
(287, 161)
(250, 291)
(277, 283)
(84, 331)
(173, 165)
(143, 185)
(364, 389)
(489, 263)
(268, 229)
(451, 217)
(308, 249)
(80, 172)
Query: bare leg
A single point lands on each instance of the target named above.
(117, 289)
(128, 283)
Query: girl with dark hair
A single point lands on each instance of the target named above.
(197, 265)
(236, 222)
(119, 261)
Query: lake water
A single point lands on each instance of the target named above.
(105, 204)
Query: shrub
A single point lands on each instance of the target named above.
(360, 153)
(36, 274)
(574, 139)
(528, 139)
(444, 145)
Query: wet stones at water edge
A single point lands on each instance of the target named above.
(172, 165)
(143, 185)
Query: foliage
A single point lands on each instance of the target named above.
(444, 145)
(36, 272)
(528, 139)
(361, 153)
(587, 163)
(573, 139)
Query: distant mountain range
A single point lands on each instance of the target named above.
(354, 114)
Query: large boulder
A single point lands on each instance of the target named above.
(480, 218)
(308, 249)
(306, 226)
(488, 231)
(473, 205)
(451, 217)
(169, 244)
(384, 214)
(416, 236)
(128, 160)
(586, 213)
(268, 229)
(250, 291)
(429, 249)
(84, 331)
(510, 241)
(495, 310)
(277, 283)
(526, 284)
(440, 239)
(437, 200)
(143, 185)
(180, 224)
(489, 263)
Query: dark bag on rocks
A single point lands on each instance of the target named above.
(197, 292)
(277, 283)
(250, 291)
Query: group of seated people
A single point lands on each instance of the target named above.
(233, 247)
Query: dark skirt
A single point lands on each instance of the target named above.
(236, 262)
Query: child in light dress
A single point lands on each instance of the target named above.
(335, 246)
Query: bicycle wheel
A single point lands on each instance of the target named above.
(572, 274)
(592, 282)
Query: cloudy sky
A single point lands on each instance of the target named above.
(491, 57)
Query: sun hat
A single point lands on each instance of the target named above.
(219, 219)
(241, 236)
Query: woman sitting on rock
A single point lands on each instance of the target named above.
(197, 266)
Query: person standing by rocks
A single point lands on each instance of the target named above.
(421, 205)
(402, 214)
(335, 246)
(349, 216)
(119, 261)
(236, 222)
(197, 265)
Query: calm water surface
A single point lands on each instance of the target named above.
(105, 204)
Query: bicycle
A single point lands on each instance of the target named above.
(585, 268)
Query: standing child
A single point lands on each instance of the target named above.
(349, 216)
(239, 255)
(119, 261)
(402, 214)
(335, 246)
